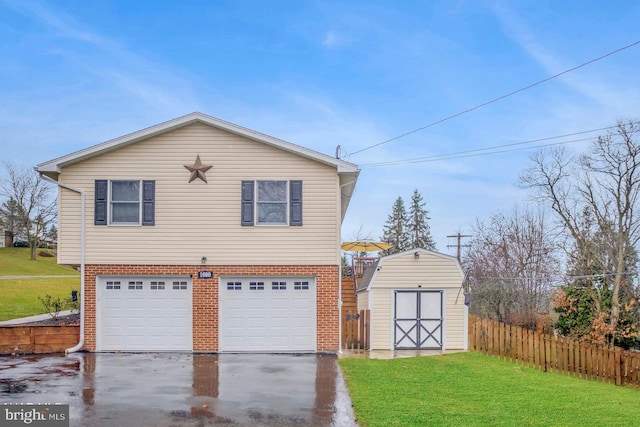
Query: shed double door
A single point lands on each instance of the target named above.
(418, 320)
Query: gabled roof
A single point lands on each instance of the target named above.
(367, 275)
(348, 172)
(369, 279)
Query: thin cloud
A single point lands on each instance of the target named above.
(149, 82)
(583, 83)
(332, 40)
(62, 23)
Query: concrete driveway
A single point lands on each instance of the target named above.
(169, 389)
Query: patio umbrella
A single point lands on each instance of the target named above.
(365, 246)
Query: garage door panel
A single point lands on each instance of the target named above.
(280, 322)
(144, 314)
(286, 316)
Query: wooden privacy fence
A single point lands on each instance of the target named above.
(554, 354)
(355, 328)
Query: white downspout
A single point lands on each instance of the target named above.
(340, 274)
(80, 344)
(340, 306)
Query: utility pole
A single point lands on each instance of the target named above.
(459, 245)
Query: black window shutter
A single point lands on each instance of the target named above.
(247, 203)
(100, 211)
(295, 196)
(148, 203)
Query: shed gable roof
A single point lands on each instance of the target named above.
(368, 281)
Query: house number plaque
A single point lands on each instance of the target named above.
(205, 274)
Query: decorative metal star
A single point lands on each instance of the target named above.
(198, 169)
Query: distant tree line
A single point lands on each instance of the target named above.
(575, 253)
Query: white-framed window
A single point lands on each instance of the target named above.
(157, 286)
(278, 286)
(124, 202)
(301, 286)
(234, 286)
(256, 286)
(135, 284)
(113, 284)
(180, 285)
(271, 202)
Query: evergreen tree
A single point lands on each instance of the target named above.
(419, 233)
(10, 217)
(395, 228)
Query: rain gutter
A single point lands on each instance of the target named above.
(80, 344)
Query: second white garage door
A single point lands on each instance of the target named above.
(267, 314)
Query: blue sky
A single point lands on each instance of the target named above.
(327, 73)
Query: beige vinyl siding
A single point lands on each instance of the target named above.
(198, 219)
(406, 272)
(455, 320)
(362, 300)
(381, 319)
(69, 226)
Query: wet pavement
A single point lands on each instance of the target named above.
(169, 389)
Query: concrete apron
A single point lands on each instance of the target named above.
(169, 389)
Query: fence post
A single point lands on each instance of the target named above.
(547, 354)
(367, 330)
(543, 352)
(618, 362)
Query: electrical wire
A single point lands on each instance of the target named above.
(451, 157)
(484, 104)
(485, 151)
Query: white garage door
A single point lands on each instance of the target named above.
(144, 314)
(264, 314)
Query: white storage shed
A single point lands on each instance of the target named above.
(416, 302)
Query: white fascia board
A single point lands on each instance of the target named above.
(54, 167)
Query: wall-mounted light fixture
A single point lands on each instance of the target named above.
(203, 260)
(416, 254)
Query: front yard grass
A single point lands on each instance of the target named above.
(472, 389)
(19, 297)
(17, 262)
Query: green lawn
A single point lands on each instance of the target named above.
(19, 297)
(471, 389)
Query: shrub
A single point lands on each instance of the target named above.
(52, 305)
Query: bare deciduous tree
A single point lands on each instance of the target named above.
(604, 185)
(33, 202)
(511, 263)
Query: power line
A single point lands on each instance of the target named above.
(437, 158)
(495, 149)
(451, 157)
(484, 104)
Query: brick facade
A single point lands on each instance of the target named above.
(205, 297)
